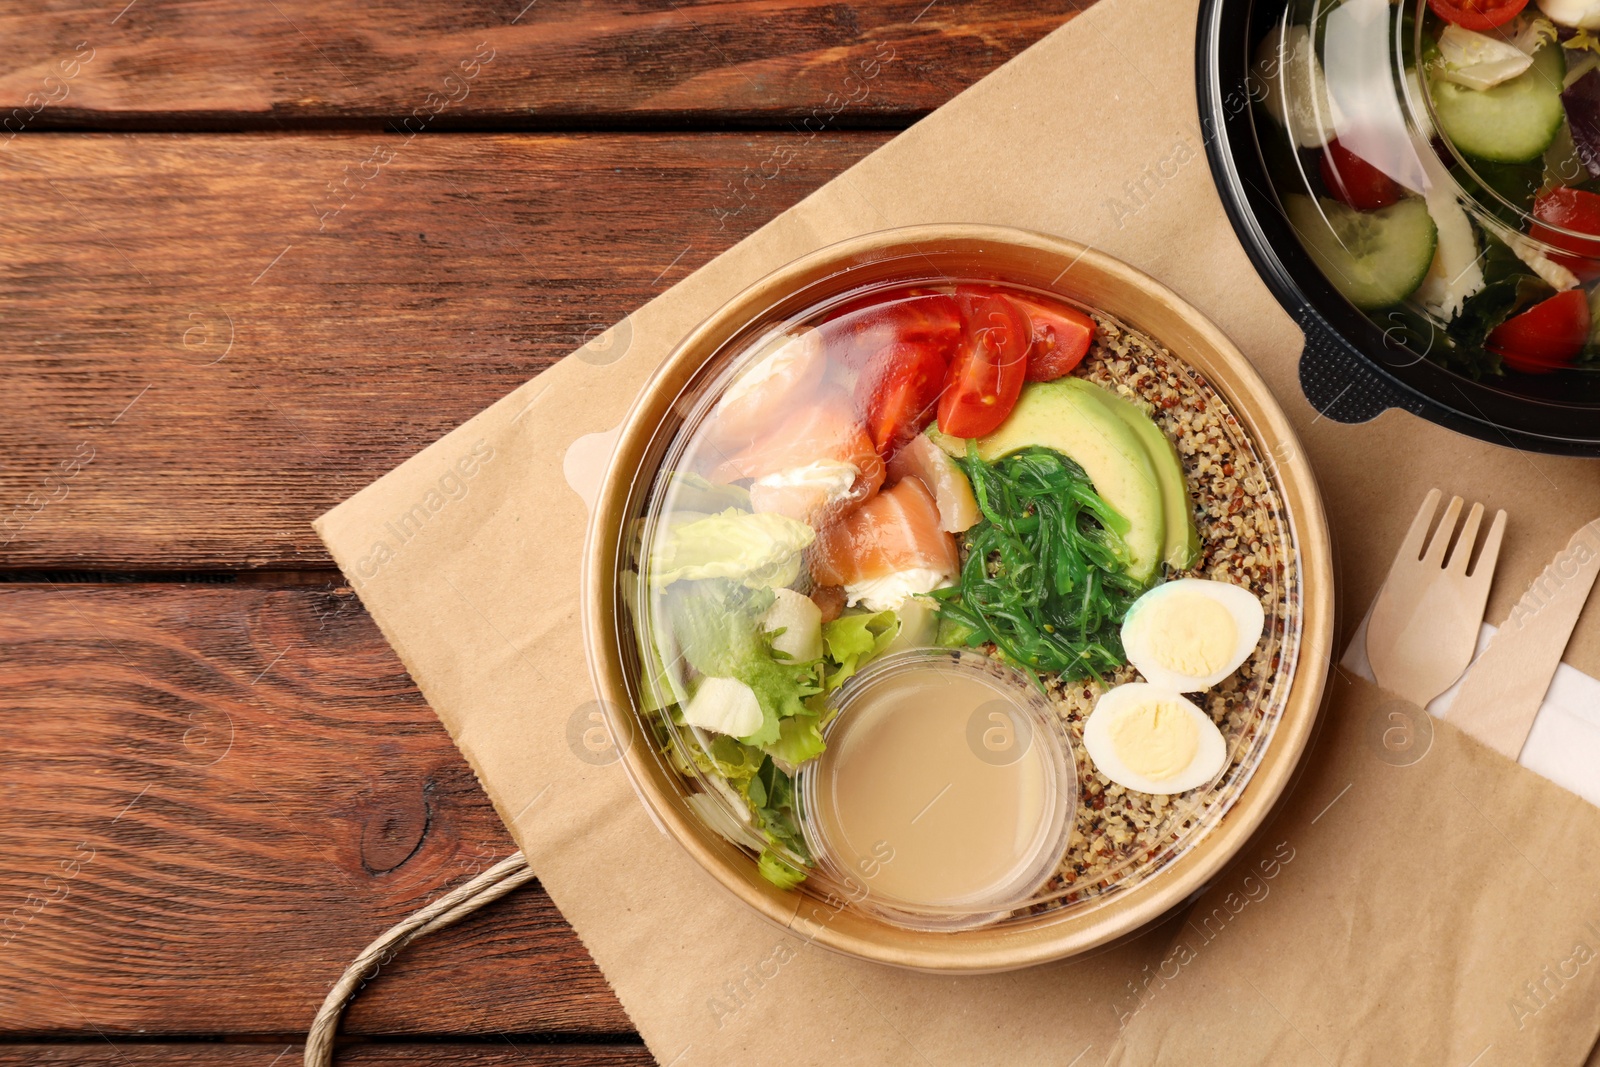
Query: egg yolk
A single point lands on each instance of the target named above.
(1156, 739)
(1192, 635)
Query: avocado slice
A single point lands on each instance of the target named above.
(1181, 546)
(1069, 416)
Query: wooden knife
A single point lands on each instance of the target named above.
(1503, 689)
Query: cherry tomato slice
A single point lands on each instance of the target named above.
(857, 332)
(1478, 14)
(899, 392)
(1355, 181)
(1061, 337)
(989, 369)
(1546, 337)
(1571, 209)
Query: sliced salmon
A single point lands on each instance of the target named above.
(784, 374)
(896, 531)
(920, 458)
(814, 494)
(802, 466)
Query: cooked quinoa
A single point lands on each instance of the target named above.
(1123, 836)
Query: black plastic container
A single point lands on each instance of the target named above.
(1352, 368)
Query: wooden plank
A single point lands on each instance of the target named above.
(533, 64)
(216, 796)
(509, 1053)
(208, 340)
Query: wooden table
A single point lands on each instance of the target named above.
(253, 256)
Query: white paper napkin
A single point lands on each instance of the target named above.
(1564, 744)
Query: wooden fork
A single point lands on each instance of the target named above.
(1424, 627)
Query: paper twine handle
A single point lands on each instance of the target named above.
(491, 885)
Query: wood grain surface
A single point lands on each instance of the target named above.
(103, 1052)
(216, 796)
(211, 331)
(209, 340)
(167, 64)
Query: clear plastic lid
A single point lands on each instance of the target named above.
(735, 554)
(1440, 162)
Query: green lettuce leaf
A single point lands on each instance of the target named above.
(853, 640)
(761, 551)
(777, 870)
(735, 761)
(1590, 356)
(772, 803)
(768, 793)
(799, 739)
(1509, 288)
(718, 627)
(1516, 183)
(660, 682)
(690, 492)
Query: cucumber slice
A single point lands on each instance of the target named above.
(1375, 258)
(1513, 122)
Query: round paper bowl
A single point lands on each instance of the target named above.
(975, 252)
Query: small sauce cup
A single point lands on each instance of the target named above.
(946, 796)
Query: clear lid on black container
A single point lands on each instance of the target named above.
(1439, 161)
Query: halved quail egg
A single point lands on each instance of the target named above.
(1150, 739)
(1191, 633)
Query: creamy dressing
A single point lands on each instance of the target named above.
(928, 794)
